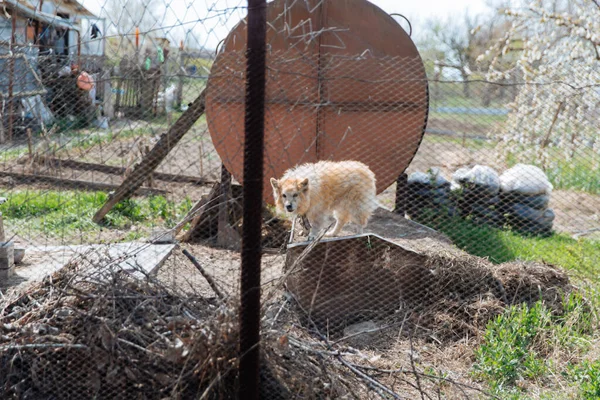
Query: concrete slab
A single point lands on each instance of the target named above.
(136, 258)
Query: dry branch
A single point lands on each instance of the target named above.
(205, 274)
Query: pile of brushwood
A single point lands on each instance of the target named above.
(109, 335)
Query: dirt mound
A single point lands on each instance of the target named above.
(444, 295)
(528, 282)
(469, 291)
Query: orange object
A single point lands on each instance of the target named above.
(137, 37)
(30, 33)
(353, 88)
(85, 81)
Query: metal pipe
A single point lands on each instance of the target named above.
(254, 123)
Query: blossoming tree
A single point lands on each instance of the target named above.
(552, 46)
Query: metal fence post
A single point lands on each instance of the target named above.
(252, 214)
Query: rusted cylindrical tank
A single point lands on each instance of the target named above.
(344, 82)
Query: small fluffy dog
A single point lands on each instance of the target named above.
(344, 190)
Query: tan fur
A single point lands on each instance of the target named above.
(344, 190)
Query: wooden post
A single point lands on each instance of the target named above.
(179, 93)
(225, 197)
(226, 236)
(160, 150)
(118, 100)
(401, 194)
(29, 143)
(250, 271)
(147, 108)
(2, 135)
(150, 177)
(11, 76)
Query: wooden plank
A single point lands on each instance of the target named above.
(75, 184)
(197, 212)
(189, 217)
(401, 194)
(109, 169)
(166, 143)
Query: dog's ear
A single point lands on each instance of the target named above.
(275, 184)
(303, 185)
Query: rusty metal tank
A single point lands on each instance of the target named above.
(344, 82)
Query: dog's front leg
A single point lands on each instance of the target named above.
(315, 228)
(305, 225)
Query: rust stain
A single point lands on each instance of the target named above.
(347, 83)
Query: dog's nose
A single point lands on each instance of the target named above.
(290, 208)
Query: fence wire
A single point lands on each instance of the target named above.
(422, 237)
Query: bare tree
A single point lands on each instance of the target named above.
(559, 43)
(457, 42)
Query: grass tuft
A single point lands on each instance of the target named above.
(56, 213)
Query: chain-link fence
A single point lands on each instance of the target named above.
(422, 237)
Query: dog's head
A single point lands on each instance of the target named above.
(291, 195)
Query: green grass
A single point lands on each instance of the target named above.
(517, 344)
(479, 119)
(586, 376)
(83, 141)
(12, 154)
(60, 214)
(577, 255)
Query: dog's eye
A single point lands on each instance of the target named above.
(295, 195)
(285, 196)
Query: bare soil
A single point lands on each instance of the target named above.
(195, 156)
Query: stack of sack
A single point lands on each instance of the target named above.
(428, 192)
(524, 197)
(476, 191)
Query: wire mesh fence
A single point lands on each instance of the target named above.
(422, 237)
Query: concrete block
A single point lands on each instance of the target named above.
(7, 259)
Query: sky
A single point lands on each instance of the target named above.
(203, 23)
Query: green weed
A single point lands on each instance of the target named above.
(516, 344)
(507, 352)
(60, 214)
(587, 377)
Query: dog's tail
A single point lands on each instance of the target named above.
(374, 204)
